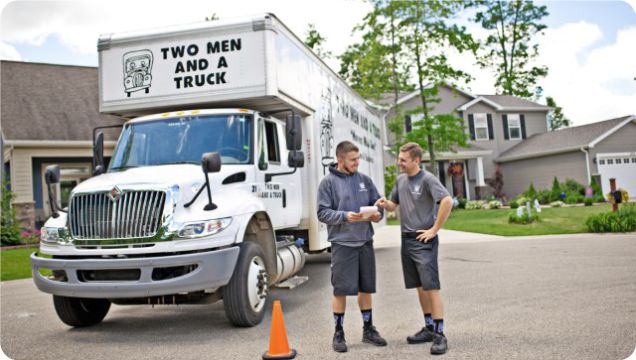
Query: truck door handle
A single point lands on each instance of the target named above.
(284, 198)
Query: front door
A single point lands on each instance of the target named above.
(456, 173)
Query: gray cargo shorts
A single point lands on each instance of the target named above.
(352, 269)
(419, 262)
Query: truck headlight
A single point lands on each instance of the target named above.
(54, 235)
(204, 228)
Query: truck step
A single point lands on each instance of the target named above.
(292, 282)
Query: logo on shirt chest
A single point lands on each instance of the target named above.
(362, 187)
(416, 190)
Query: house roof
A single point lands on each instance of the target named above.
(505, 103)
(45, 102)
(564, 140)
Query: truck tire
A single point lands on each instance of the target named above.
(245, 296)
(79, 312)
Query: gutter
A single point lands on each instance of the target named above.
(54, 143)
(587, 165)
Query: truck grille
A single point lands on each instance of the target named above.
(135, 214)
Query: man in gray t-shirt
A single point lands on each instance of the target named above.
(424, 207)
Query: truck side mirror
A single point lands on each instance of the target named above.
(296, 159)
(52, 176)
(211, 162)
(98, 154)
(294, 132)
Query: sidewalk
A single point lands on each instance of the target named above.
(389, 236)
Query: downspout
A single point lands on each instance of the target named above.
(587, 165)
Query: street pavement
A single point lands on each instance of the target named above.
(547, 297)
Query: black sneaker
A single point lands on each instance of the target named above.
(372, 336)
(339, 342)
(422, 336)
(440, 345)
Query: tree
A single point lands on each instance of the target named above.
(556, 119)
(425, 34)
(497, 184)
(508, 49)
(315, 41)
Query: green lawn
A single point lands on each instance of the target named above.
(15, 263)
(565, 220)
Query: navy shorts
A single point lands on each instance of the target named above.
(419, 263)
(352, 269)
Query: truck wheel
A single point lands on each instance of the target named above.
(79, 312)
(244, 297)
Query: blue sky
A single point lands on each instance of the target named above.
(589, 46)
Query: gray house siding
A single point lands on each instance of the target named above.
(622, 141)
(535, 123)
(517, 175)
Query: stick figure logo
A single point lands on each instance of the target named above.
(137, 71)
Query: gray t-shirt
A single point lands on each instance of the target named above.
(418, 197)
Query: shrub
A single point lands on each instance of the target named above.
(462, 203)
(474, 204)
(573, 187)
(521, 201)
(523, 219)
(390, 176)
(494, 204)
(555, 193)
(596, 188)
(544, 197)
(556, 204)
(513, 204)
(588, 201)
(9, 227)
(622, 221)
(599, 198)
(571, 199)
(531, 193)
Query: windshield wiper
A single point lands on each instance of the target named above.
(124, 167)
(182, 162)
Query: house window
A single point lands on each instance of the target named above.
(602, 162)
(481, 127)
(610, 161)
(634, 160)
(514, 127)
(626, 161)
(618, 161)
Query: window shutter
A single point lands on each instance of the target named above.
(491, 135)
(522, 120)
(408, 127)
(504, 117)
(471, 126)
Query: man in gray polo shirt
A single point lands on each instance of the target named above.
(418, 194)
(340, 195)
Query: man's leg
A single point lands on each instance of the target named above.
(366, 288)
(427, 308)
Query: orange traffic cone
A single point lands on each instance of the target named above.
(278, 344)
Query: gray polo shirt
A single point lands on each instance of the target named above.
(418, 197)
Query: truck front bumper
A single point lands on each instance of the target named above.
(213, 269)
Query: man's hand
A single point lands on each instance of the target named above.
(376, 217)
(381, 202)
(353, 217)
(426, 235)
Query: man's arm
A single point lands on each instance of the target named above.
(445, 207)
(387, 204)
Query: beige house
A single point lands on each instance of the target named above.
(513, 133)
(47, 116)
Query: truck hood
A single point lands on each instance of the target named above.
(186, 176)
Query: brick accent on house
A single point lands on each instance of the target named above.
(25, 215)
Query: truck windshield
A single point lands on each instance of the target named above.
(183, 140)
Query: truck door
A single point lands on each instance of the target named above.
(282, 194)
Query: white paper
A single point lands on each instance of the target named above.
(367, 211)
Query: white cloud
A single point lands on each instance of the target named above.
(590, 83)
(8, 52)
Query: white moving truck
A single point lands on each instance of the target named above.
(209, 193)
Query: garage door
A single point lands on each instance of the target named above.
(622, 167)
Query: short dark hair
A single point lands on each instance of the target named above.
(414, 149)
(344, 148)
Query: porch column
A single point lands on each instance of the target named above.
(480, 172)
